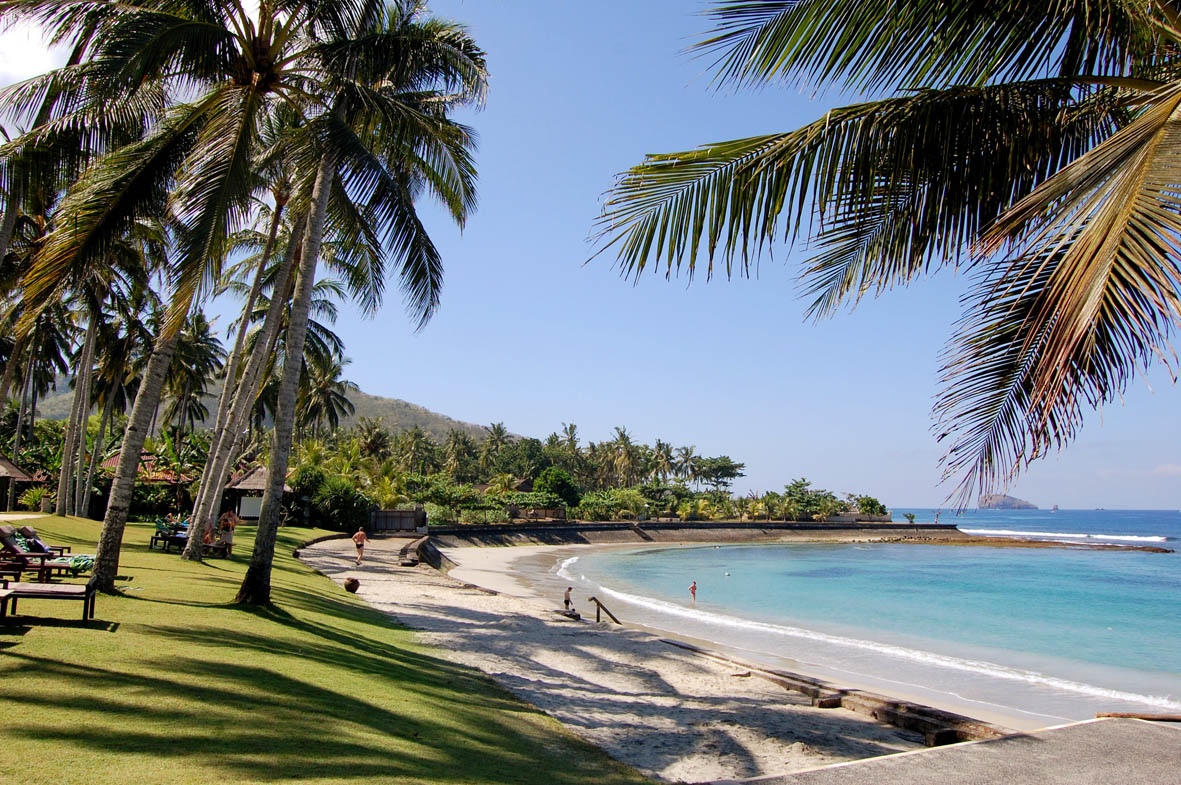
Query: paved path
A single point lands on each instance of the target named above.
(1095, 752)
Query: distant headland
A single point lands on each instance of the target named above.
(999, 501)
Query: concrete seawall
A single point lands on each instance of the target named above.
(692, 531)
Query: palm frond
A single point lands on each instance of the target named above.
(1091, 295)
(873, 44)
(119, 188)
(213, 193)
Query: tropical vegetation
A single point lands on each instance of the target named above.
(179, 140)
(274, 153)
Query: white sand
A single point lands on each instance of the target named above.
(668, 712)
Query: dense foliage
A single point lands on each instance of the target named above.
(340, 477)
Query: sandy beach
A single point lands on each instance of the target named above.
(670, 713)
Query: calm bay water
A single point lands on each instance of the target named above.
(1045, 634)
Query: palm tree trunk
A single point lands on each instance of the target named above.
(235, 362)
(67, 451)
(9, 376)
(84, 389)
(8, 222)
(78, 413)
(99, 440)
(26, 392)
(229, 437)
(106, 560)
(256, 585)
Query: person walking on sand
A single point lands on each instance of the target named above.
(693, 590)
(566, 597)
(359, 539)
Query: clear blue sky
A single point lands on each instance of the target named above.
(531, 336)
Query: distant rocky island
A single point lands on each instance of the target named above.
(999, 501)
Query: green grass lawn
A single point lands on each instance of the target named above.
(171, 684)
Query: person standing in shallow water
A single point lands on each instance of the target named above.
(359, 539)
(693, 591)
(566, 597)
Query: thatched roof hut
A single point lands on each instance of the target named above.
(253, 481)
(12, 471)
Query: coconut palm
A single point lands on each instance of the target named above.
(357, 72)
(416, 451)
(459, 454)
(374, 438)
(626, 458)
(323, 397)
(199, 356)
(1035, 146)
(570, 437)
(44, 359)
(393, 76)
(687, 464)
(663, 460)
(494, 443)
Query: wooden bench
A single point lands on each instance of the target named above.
(10, 591)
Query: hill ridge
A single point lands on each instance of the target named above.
(397, 414)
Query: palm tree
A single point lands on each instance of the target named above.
(392, 77)
(374, 438)
(687, 466)
(626, 458)
(501, 484)
(197, 151)
(199, 356)
(494, 443)
(1033, 144)
(44, 358)
(570, 437)
(459, 453)
(323, 397)
(662, 460)
(416, 450)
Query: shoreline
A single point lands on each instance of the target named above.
(493, 569)
(671, 713)
(694, 532)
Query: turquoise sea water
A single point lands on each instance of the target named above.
(1049, 634)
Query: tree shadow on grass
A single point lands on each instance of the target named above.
(259, 724)
(21, 624)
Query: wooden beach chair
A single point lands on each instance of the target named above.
(23, 545)
(66, 562)
(11, 591)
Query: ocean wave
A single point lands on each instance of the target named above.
(914, 655)
(563, 568)
(1069, 535)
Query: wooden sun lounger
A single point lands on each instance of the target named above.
(11, 592)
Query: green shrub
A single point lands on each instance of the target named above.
(338, 505)
(496, 515)
(559, 483)
(868, 505)
(30, 498)
(151, 500)
(305, 483)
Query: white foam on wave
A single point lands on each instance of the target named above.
(914, 655)
(564, 568)
(1069, 535)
